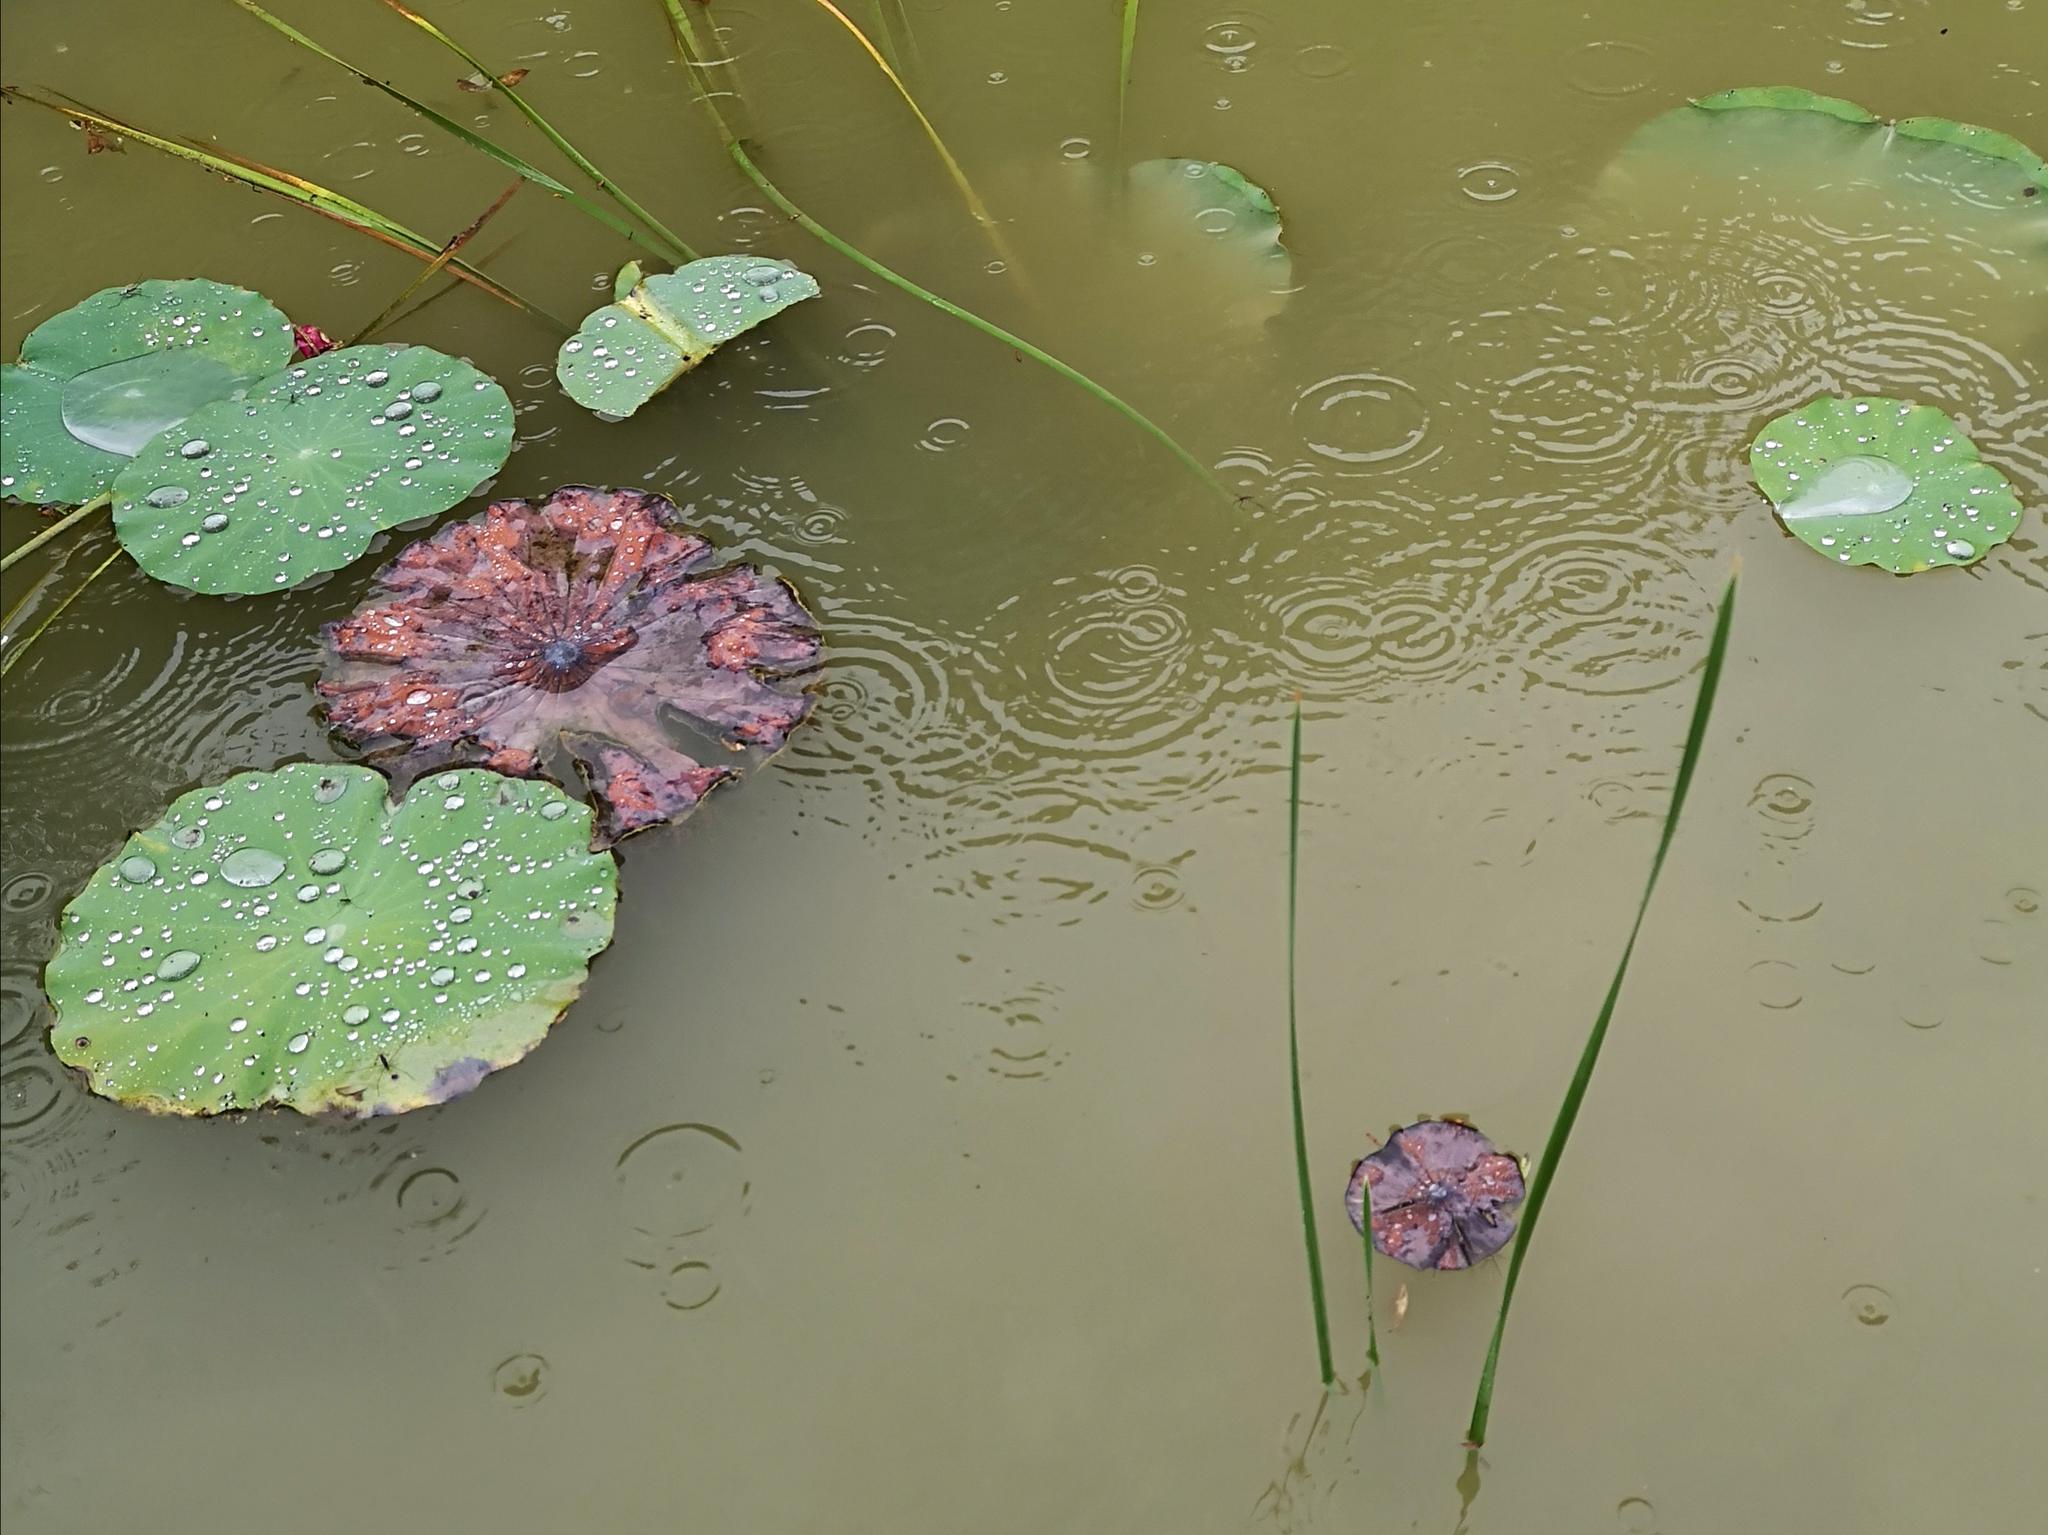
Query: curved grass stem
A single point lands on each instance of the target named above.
(1128, 47)
(16, 649)
(98, 503)
(1589, 1056)
(678, 248)
(518, 166)
(1305, 1186)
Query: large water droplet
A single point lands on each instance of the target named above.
(177, 965)
(328, 790)
(377, 378)
(213, 522)
(137, 870)
(357, 1014)
(328, 860)
(1859, 486)
(298, 1042)
(426, 393)
(443, 976)
(1960, 549)
(553, 810)
(165, 496)
(251, 867)
(398, 410)
(197, 447)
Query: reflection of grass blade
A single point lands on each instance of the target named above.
(677, 247)
(1308, 1206)
(427, 272)
(897, 33)
(1123, 72)
(473, 139)
(685, 38)
(70, 519)
(1372, 1326)
(16, 649)
(967, 192)
(1589, 1057)
(307, 194)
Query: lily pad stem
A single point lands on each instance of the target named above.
(98, 503)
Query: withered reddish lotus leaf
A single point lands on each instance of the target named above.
(589, 622)
(1440, 1196)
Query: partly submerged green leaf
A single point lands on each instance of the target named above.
(1988, 142)
(1882, 482)
(99, 380)
(293, 938)
(1784, 98)
(628, 352)
(259, 494)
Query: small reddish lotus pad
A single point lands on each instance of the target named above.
(1440, 1196)
(579, 621)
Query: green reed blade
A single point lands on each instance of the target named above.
(677, 248)
(1308, 1206)
(519, 167)
(324, 201)
(16, 649)
(426, 273)
(960, 182)
(1372, 1326)
(98, 503)
(1589, 1057)
(1123, 73)
(686, 48)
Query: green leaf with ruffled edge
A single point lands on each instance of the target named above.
(626, 353)
(1784, 98)
(102, 378)
(259, 494)
(293, 938)
(1873, 481)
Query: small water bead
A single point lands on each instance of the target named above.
(213, 522)
(251, 868)
(453, 802)
(1959, 549)
(188, 836)
(355, 1015)
(398, 410)
(426, 393)
(515, 972)
(238, 1025)
(553, 810)
(266, 943)
(137, 870)
(442, 976)
(177, 965)
(197, 447)
(460, 914)
(316, 935)
(298, 1042)
(417, 697)
(377, 378)
(165, 496)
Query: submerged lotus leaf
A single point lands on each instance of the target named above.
(1234, 218)
(261, 493)
(1440, 1196)
(101, 379)
(294, 938)
(588, 623)
(1882, 482)
(662, 326)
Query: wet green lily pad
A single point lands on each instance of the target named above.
(661, 327)
(261, 493)
(98, 381)
(1873, 481)
(293, 938)
(1784, 98)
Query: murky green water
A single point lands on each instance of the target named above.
(918, 1158)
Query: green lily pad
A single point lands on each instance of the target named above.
(626, 353)
(1882, 482)
(101, 379)
(293, 938)
(1784, 98)
(261, 493)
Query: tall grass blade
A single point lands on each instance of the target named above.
(686, 47)
(307, 194)
(1589, 1057)
(519, 167)
(426, 273)
(1372, 1326)
(16, 649)
(1123, 72)
(1307, 1190)
(677, 248)
(960, 181)
(98, 503)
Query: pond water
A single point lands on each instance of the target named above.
(918, 1159)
